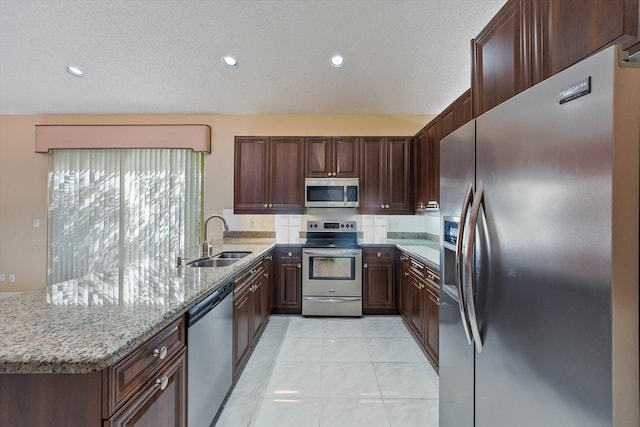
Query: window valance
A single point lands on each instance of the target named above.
(194, 137)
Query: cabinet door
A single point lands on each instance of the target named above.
(378, 285)
(398, 193)
(432, 162)
(251, 173)
(415, 310)
(268, 283)
(288, 281)
(319, 156)
(404, 290)
(346, 157)
(287, 175)
(243, 312)
(259, 307)
(161, 403)
(431, 328)
(501, 61)
(372, 175)
(570, 30)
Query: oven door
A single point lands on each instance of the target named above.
(332, 272)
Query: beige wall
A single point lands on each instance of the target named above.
(23, 173)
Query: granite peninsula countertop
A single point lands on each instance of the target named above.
(87, 324)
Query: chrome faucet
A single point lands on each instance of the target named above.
(206, 246)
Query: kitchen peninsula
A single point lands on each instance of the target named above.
(95, 338)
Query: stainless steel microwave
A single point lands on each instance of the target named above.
(332, 192)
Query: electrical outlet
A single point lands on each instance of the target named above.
(262, 224)
(36, 223)
(252, 223)
(12, 278)
(2, 277)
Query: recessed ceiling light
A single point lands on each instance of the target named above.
(337, 61)
(74, 71)
(230, 61)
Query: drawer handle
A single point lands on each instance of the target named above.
(366, 265)
(162, 382)
(378, 254)
(406, 273)
(289, 254)
(162, 353)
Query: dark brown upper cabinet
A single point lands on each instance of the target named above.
(528, 41)
(332, 157)
(567, 31)
(385, 175)
(500, 57)
(269, 175)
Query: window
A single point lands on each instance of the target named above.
(117, 209)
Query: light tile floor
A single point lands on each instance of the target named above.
(328, 372)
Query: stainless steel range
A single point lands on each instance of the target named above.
(332, 269)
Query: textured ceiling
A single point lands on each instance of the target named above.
(163, 56)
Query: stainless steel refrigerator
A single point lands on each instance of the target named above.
(539, 256)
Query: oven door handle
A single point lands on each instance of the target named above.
(332, 252)
(332, 300)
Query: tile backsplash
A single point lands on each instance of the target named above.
(373, 227)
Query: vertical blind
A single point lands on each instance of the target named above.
(121, 209)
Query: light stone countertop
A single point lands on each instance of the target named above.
(425, 250)
(87, 324)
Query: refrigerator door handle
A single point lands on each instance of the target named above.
(469, 279)
(459, 274)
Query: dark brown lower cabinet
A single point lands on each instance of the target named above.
(287, 289)
(140, 390)
(404, 291)
(243, 315)
(160, 403)
(251, 309)
(431, 328)
(420, 302)
(378, 293)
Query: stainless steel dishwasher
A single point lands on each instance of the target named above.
(210, 354)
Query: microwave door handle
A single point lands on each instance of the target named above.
(344, 193)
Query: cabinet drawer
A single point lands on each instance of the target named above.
(160, 400)
(127, 376)
(433, 279)
(248, 278)
(378, 254)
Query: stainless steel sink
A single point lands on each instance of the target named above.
(212, 262)
(231, 254)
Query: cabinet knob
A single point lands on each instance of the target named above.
(299, 265)
(270, 205)
(406, 273)
(334, 174)
(366, 265)
(162, 382)
(378, 254)
(386, 206)
(328, 173)
(289, 253)
(382, 206)
(266, 205)
(162, 353)
(266, 275)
